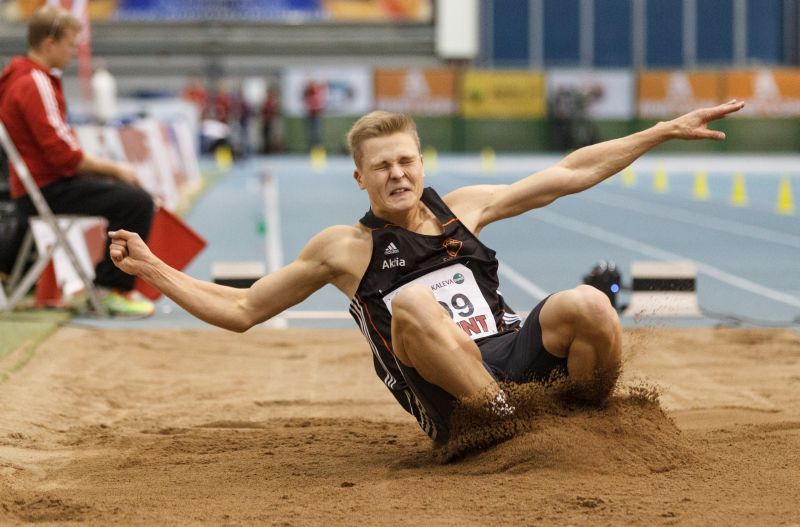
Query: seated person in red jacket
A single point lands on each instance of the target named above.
(33, 109)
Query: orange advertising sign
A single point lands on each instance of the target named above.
(97, 9)
(379, 10)
(418, 91)
(519, 94)
(665, 94)
(768, 93)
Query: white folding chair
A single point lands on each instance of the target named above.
(20, 286)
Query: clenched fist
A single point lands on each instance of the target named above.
(129, 252)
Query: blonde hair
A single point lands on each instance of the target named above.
(378, 124)
(50, 21)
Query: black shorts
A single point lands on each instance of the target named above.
(516, 356)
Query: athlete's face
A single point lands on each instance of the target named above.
(60, 52)
(391, 172)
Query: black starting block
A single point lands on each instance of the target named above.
(237, 274)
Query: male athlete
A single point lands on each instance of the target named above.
(423, 288)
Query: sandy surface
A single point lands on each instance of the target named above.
(294, 428)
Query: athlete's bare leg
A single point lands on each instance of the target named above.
(582, 325)
(425, 338)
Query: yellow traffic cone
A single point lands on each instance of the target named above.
(628, 177)
(430, 157)
(487, 160)
(785, 204)
(739, 192)
(660, 183)
(318, 157)
(224, 157)
(700, 191)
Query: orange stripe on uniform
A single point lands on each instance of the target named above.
(449, 222)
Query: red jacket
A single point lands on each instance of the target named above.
(33, 109)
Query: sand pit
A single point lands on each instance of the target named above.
(293, 428)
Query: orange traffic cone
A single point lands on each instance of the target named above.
(48, 293)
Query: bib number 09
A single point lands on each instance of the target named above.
(461, 304)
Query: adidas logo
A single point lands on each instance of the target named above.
(391, 249)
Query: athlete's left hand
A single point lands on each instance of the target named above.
(694, 125)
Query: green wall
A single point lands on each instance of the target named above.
(334, 130)
(456, 134)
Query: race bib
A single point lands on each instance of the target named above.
(456, 290)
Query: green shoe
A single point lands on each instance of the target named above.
(120, 304)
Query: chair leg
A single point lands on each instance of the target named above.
(95, 304)
(19, 286)
(29, 279)
(94, 301)
(23, 255)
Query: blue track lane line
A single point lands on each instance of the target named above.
(509, 273)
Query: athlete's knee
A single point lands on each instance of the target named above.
(582, 324)
(592, 304)
(421, 326)
(589, 310)
(594, 346)
(415, 301)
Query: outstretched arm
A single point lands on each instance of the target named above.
(581, 169)
(228, 307)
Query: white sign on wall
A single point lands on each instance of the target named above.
(609, 94)
(349, 89)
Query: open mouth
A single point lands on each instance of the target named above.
(399, 191)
